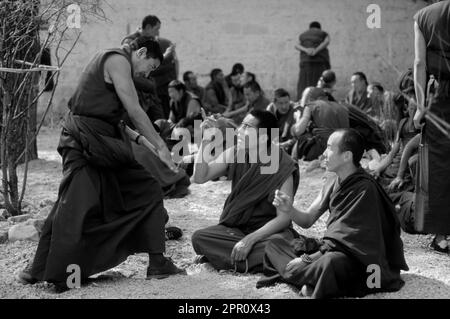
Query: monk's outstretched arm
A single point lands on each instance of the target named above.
(205, 170)
(304, 219)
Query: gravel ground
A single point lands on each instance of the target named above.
(429, 275)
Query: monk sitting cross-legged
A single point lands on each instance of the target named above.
(248, 219)
(363, 233)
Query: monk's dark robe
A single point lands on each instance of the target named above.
(362, 230)
(261, 104)
(174, 185)
(433, 182)
(247, 209)
(371, 132)
(312, 67)
(326, 117)
(215, 97)
(108, 205)
(360, 101)
(285, 123)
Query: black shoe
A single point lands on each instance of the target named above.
(25, 277)
(173, 233)
(200, 259)
(166, 270)
(59, 288)
(438, 248)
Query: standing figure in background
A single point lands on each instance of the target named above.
(432, 57)
(314, 56)
(156, 83)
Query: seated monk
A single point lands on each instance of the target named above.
(184, 106)
(319, 119)
(248, 219)
(388, 168)
(283, 109)
(109, 207)
(216, 93)
(255, 97)
(362, 232)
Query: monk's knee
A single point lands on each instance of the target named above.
(198, 237)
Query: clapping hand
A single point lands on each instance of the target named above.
(283, 202)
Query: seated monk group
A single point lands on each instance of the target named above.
(255, 232)
(110, 203)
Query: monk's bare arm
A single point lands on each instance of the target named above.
(205, 171)
(300, 127)
(119, 71)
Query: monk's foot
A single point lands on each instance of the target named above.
(164, 270)
(173, 233)
(440, 244)
(307, 291)
(25, 278)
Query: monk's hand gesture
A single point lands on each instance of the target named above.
(396, 183)
(241, 250)
(166, 158)
(283, 202)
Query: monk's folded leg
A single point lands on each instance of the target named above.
(332, 275)
(275, 247)
(216, 243)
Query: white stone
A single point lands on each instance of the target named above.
(23, 232)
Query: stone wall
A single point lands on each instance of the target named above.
(261, 34)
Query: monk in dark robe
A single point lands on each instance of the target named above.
(362, 233)
(358, 94)
(283, 109)
(314, 56)
(320, 118)
(248, 219)
(388, 168)
(160, 78)
(216, 93)
(108, 206)
(432, 83)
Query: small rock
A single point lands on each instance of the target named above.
(3, 237)
(46, 202)
(44, 212)
(20, 218)
(4, 214)
(23, 232)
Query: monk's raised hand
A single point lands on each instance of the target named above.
(282, 202)
(166, 158)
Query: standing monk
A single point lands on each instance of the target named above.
(432, 47)
(109, 206)
(314, 56)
